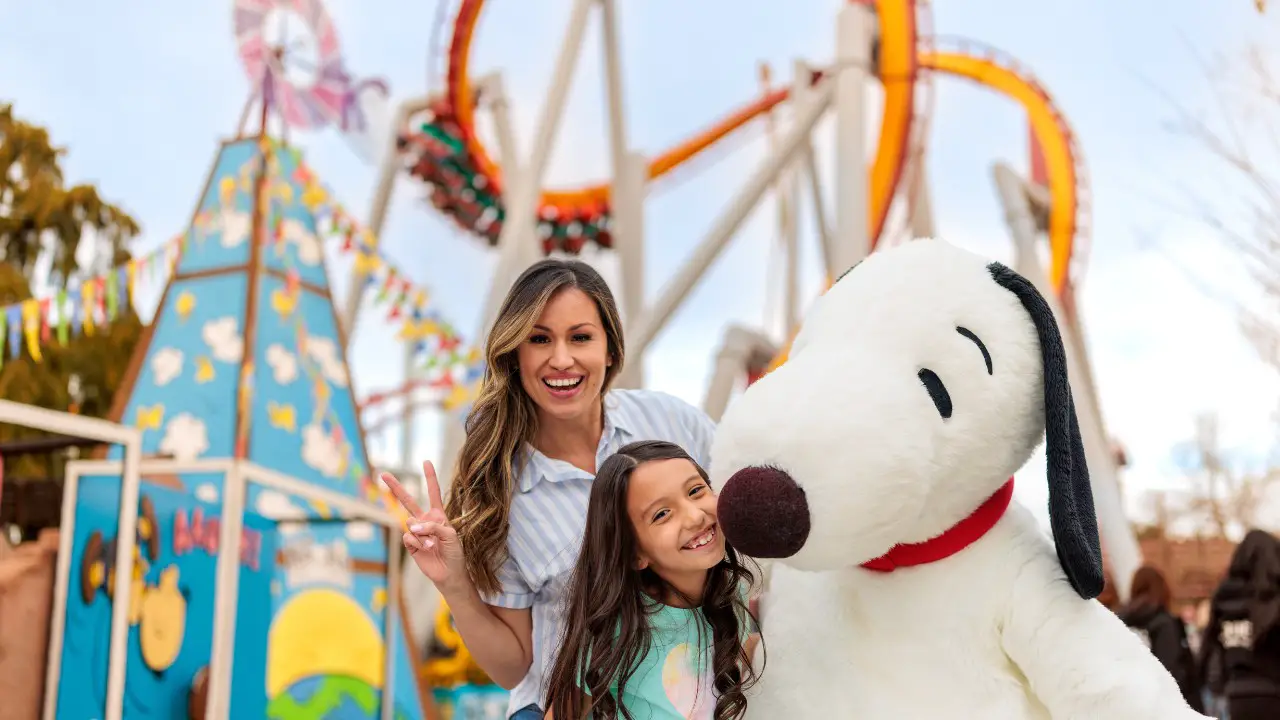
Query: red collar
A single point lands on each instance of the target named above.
(960, 536)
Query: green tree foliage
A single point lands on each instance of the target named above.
(38, 213)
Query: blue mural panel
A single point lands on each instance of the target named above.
(329, 633)
(220, 236)
(184, 396)
(304, 421)
(171, 600)
(295, 244)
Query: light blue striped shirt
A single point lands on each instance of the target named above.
(549, 515)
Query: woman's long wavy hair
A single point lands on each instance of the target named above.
(504, 417)
(607, 631)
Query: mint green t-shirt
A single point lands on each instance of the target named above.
(674, 680)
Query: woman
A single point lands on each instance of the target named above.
(1244, 629)
(1147, 614)
(503, 549)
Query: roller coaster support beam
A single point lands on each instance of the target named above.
(922, 225)
(820, 216)
(789, 210)
(855, 28)
(628, 212)
(679, 286)
(513, 257)
(1123, 554)
(741, 348)
(521, 220)
(378, 209)
(630, 179)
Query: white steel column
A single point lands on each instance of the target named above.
(678, 287)
(226, 593)
(513, 244)
(126, 534)
(628, 212)
(738, 349)
(820, 217)
(522, 254)
(392, 610)
(1123, 554)
(499, 105)
(789, 210)
(521, 221)
(626, 201)
(922, 225)
(854, 26)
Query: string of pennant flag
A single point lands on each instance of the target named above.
(451, 365)
(81, 308)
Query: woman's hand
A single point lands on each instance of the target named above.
(431, 540)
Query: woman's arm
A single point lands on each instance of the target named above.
(500, 639)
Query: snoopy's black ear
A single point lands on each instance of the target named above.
(1071, 512)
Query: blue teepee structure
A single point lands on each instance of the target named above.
(244, 362)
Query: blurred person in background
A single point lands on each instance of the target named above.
(1147, 614)
(1243, 634)
(1210, 667)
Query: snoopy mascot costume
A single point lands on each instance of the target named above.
(876, 467)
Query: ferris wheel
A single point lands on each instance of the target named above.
(291, 54)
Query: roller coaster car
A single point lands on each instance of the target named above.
(448, 662)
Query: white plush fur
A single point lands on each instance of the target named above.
(994, 631)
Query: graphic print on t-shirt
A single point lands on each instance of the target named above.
(686, 683)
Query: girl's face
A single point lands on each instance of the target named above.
(673, 512)
(563, 361)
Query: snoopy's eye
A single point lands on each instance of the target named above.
(937, 391)
(986, 356)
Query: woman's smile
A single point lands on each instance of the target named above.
(563, 386)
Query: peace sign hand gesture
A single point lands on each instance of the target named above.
(431, 540)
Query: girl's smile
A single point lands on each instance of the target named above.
(703, 540)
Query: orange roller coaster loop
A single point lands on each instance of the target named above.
(1068, 183)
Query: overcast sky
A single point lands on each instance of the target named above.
(141, 92)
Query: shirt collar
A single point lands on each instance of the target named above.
(538, 467)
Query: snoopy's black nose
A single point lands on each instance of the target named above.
(763, 513)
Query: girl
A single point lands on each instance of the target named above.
(1244, 629)
(545, 417)
(1165, 635)
(656, 620)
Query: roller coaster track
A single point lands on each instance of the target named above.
(466, 183)
(1068, 185)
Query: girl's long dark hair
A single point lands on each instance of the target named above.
(607, 628)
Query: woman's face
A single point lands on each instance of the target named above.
(673, 512)
(563, 361)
